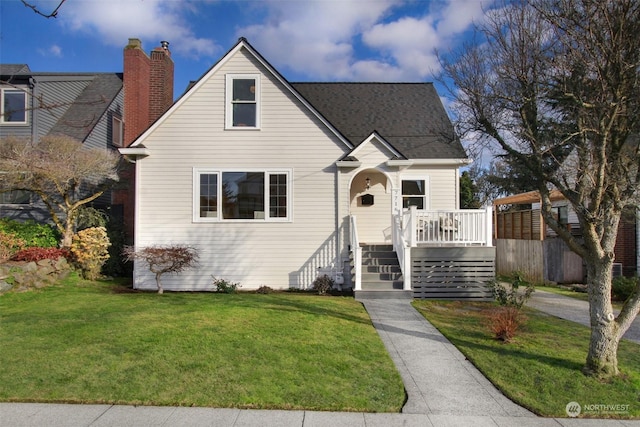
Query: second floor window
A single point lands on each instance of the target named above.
(14, 107)
(243, 101)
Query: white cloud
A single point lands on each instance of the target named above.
(115, 21)
(53, 50)
(326, 39)
(315, 37)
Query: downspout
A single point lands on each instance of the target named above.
(34, 123)
(638, 241)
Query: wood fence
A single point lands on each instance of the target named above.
(539, 261)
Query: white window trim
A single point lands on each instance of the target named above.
(229, 98)
(26, 105)
(427, 188)
(217, 219)
(117, 140)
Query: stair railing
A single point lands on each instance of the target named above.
(356, 251)
(402, 247)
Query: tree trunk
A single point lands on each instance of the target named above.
(602, 358)
(67, 236)
(160, 290)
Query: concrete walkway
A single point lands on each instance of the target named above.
(574, 310)
(443, 389)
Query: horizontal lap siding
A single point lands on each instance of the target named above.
(442, 185)
(279, 255)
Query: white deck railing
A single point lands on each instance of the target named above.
(462, 227)
(356, 250)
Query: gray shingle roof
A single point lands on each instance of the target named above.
(82, 116)
(10, 69)
(410, 116)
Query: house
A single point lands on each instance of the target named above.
(84, 106)
(275, 182)
(90, 107)
(525, 243)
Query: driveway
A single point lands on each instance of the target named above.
(574, 310)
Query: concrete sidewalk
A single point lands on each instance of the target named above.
(443, 388)
(574, 310)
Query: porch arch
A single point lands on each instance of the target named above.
(374, 211)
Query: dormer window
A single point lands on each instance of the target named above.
(243, 101)
(13, 106)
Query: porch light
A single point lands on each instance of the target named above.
(368, 182)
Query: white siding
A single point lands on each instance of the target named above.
(279, 255)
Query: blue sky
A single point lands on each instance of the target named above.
(306, 40)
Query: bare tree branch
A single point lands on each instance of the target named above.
(53, 14)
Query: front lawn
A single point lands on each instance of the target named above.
(89, 342)
(541, 368)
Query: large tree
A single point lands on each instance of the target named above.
(554, 85)
(61, 171)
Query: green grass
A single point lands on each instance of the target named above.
(565, 292)
(84, 342)
(541, 369)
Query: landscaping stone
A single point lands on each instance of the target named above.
(4, 286)
(33, 275)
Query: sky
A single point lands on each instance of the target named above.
(305, 40)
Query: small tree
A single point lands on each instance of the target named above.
(61, 171)
(163, 259)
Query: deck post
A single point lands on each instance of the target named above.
(489, 227)
(406, 275)
(412, 226)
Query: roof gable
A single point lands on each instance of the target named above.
(193, 87)
(409, 116)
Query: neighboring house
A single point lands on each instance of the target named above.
(84, 106)
(265, 178)
(90, 107)
(525, 243)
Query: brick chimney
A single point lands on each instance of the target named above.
(148, 87)
(148, 93)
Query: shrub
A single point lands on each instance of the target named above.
(504, 322)
(322, 284)
(509, 295)
(225, 287)
(37, 254)
(33, 233)
(115, 265)
(623, 287)
(90, 248)
(9, 245)
(264, 290)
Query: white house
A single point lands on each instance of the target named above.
(273, 181)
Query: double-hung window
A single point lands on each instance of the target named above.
(13, 107)
(242, 101)
(242, 195)
(414, 193)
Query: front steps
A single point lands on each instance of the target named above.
(381, 274)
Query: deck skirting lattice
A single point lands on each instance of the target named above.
(460, 273)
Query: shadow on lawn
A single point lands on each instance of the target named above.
(307, 303)
(526, 356)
